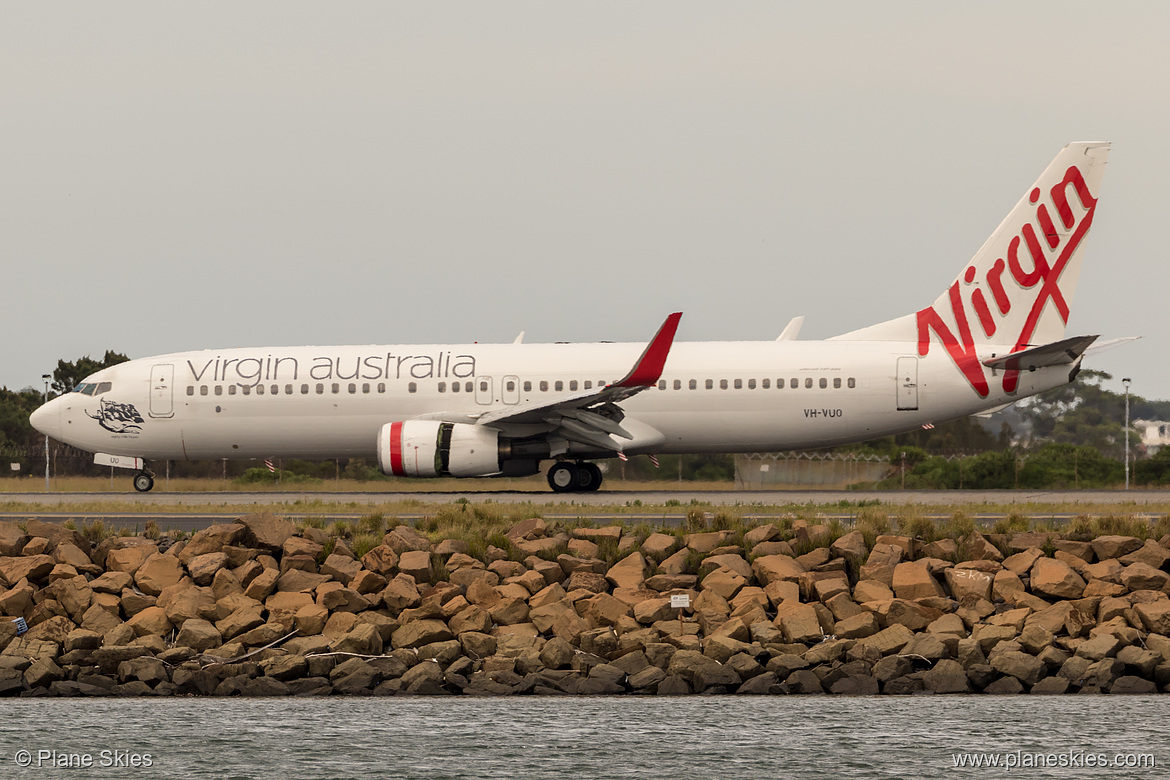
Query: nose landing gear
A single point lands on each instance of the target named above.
(143, 481)
(568, 477)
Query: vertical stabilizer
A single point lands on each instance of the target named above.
(1017, 289)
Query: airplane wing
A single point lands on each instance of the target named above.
(593, 416)
(1063, 352)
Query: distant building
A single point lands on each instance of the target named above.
(1155, 434)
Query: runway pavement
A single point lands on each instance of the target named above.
(133, 510)
(158, 498)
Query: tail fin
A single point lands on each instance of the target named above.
(1017, 289)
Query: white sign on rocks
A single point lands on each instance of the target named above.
(680, 601)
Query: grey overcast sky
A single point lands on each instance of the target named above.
(218, 174)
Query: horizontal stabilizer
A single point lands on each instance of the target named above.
(1058, 353)
(1101, 346)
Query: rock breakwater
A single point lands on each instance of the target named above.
(261, 607)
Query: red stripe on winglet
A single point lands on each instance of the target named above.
(649, 367)
(396, 450)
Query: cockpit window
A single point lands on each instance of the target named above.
(93, 388)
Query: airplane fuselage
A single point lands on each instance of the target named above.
(310, 402)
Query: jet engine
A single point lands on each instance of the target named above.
(429, 448)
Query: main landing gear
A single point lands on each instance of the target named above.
(568, 477)
(143, 481)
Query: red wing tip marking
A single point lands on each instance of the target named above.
(649, 366)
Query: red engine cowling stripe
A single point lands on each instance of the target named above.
(396, 450)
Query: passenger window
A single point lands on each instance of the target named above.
(824, 383)
(678, 384)
(246, 389)
(766, 383)
(219, 389)
(442, 387)
(352, 388)
(456, 387)
(693, 384)
(527, 385)
(467, 387)
(544, 385)
(739, 384)
(336, 388)
(510, 385)
(190, 390)
(837, 382)
(852, 382)
(259, 389)
(751, 384)
(412, 387)
(202, 389)
(661, 384)
(559, 386)
(722, 384)
(381, 387)
(276, 389)
(710, 384)
(304, 389)
(288, 389)
(231, 389)
(808, 382)
(320, 388)
(794, 383)
(588, 385)
(483, 386)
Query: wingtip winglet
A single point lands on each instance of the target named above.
(649, 366)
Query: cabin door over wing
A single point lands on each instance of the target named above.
(483, 390)
(510, 390)
(907, 383)
(162, 379)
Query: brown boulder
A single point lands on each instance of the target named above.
(416, 563)
(403, 539)
(773, 568)
(1142, 576)
(381, 560)
(913, 580)
(34, 568)
(341, 568)
(1055, 578)
(266, 531)
(128, 557)
(421, 632)
(629, 572)
(157, 573)
(12, 539)
(964, 582)
(1115, 546)
(800, 623)
(152, 621)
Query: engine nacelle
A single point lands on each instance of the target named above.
(429, 448)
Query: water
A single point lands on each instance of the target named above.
(695, 737)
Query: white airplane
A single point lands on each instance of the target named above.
(995, 335)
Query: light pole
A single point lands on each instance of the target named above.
(45, 378)
(1125, 381)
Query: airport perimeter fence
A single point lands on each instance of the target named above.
(774, 470)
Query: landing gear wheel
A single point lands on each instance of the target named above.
(563, 477)
(143, 482)
(588, 477)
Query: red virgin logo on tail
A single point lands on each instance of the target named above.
(1043, 278)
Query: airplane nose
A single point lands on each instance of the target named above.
(47, 419)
